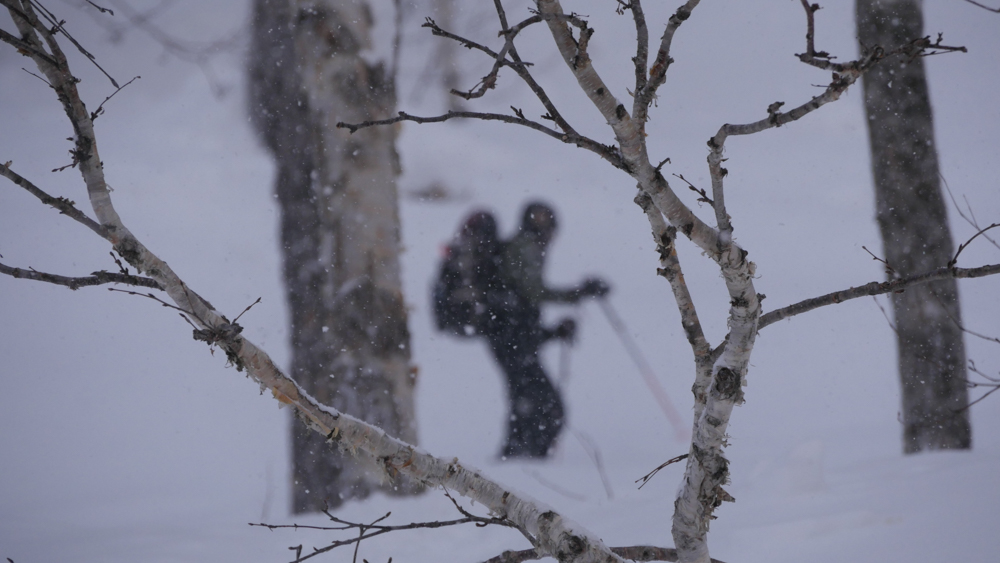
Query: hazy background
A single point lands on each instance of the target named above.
(123, 439)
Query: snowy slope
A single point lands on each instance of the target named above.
(122, 439)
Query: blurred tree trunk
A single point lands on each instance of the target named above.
(914, 222)
(340, 230)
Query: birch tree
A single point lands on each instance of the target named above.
(913, 219)
(719, 372)
(339, 228)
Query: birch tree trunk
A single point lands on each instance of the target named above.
(340, 230)
(914, 223)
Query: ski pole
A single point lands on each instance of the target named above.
(648, 375)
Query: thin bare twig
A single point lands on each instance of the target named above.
(962, 246)
(374, 528)
(515, 63)
(65, 206)
(875, 288)
(888, 267)
(607, 152)
(489, 81)
(658, 72)
(100, 9)
(100, 108)
(96, 278)
(700, 191)
(59, 26)
(645, 478)
(971, 217)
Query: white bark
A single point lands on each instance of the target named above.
(707, 469)
(552, 534)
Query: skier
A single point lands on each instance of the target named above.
(499, 297)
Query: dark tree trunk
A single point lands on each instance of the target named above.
(340, 232)
(913, 219)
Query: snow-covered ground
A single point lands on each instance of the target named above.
(122, 439)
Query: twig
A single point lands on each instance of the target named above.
(65, 206)
(516, 64)
(962, 246)
(100, 108)
(888, 268)
(700, 191)
(96, 278)
(971, 218)
(57, 25)
(958, 324)
(100, 9)
(374, 528)
(994, 383)
(489, 81)
(641, 47)
(875, 288)
(605, 151)
(658, 72)
(645, 478)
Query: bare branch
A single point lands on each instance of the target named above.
(489, 81)
(58, 26)
(992, 382)
(100, 108)
(604, 151)
(665, 236)
(971, 217)
(25, 48)
(645, 478)
(65, 206)
(96, 278)
(516, 64)
(658, 72)
(962, 246)
(373, 529)
(875, 288)
(641, 49)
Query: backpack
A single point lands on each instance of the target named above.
(460, 291)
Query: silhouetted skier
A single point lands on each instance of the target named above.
(515, 332)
